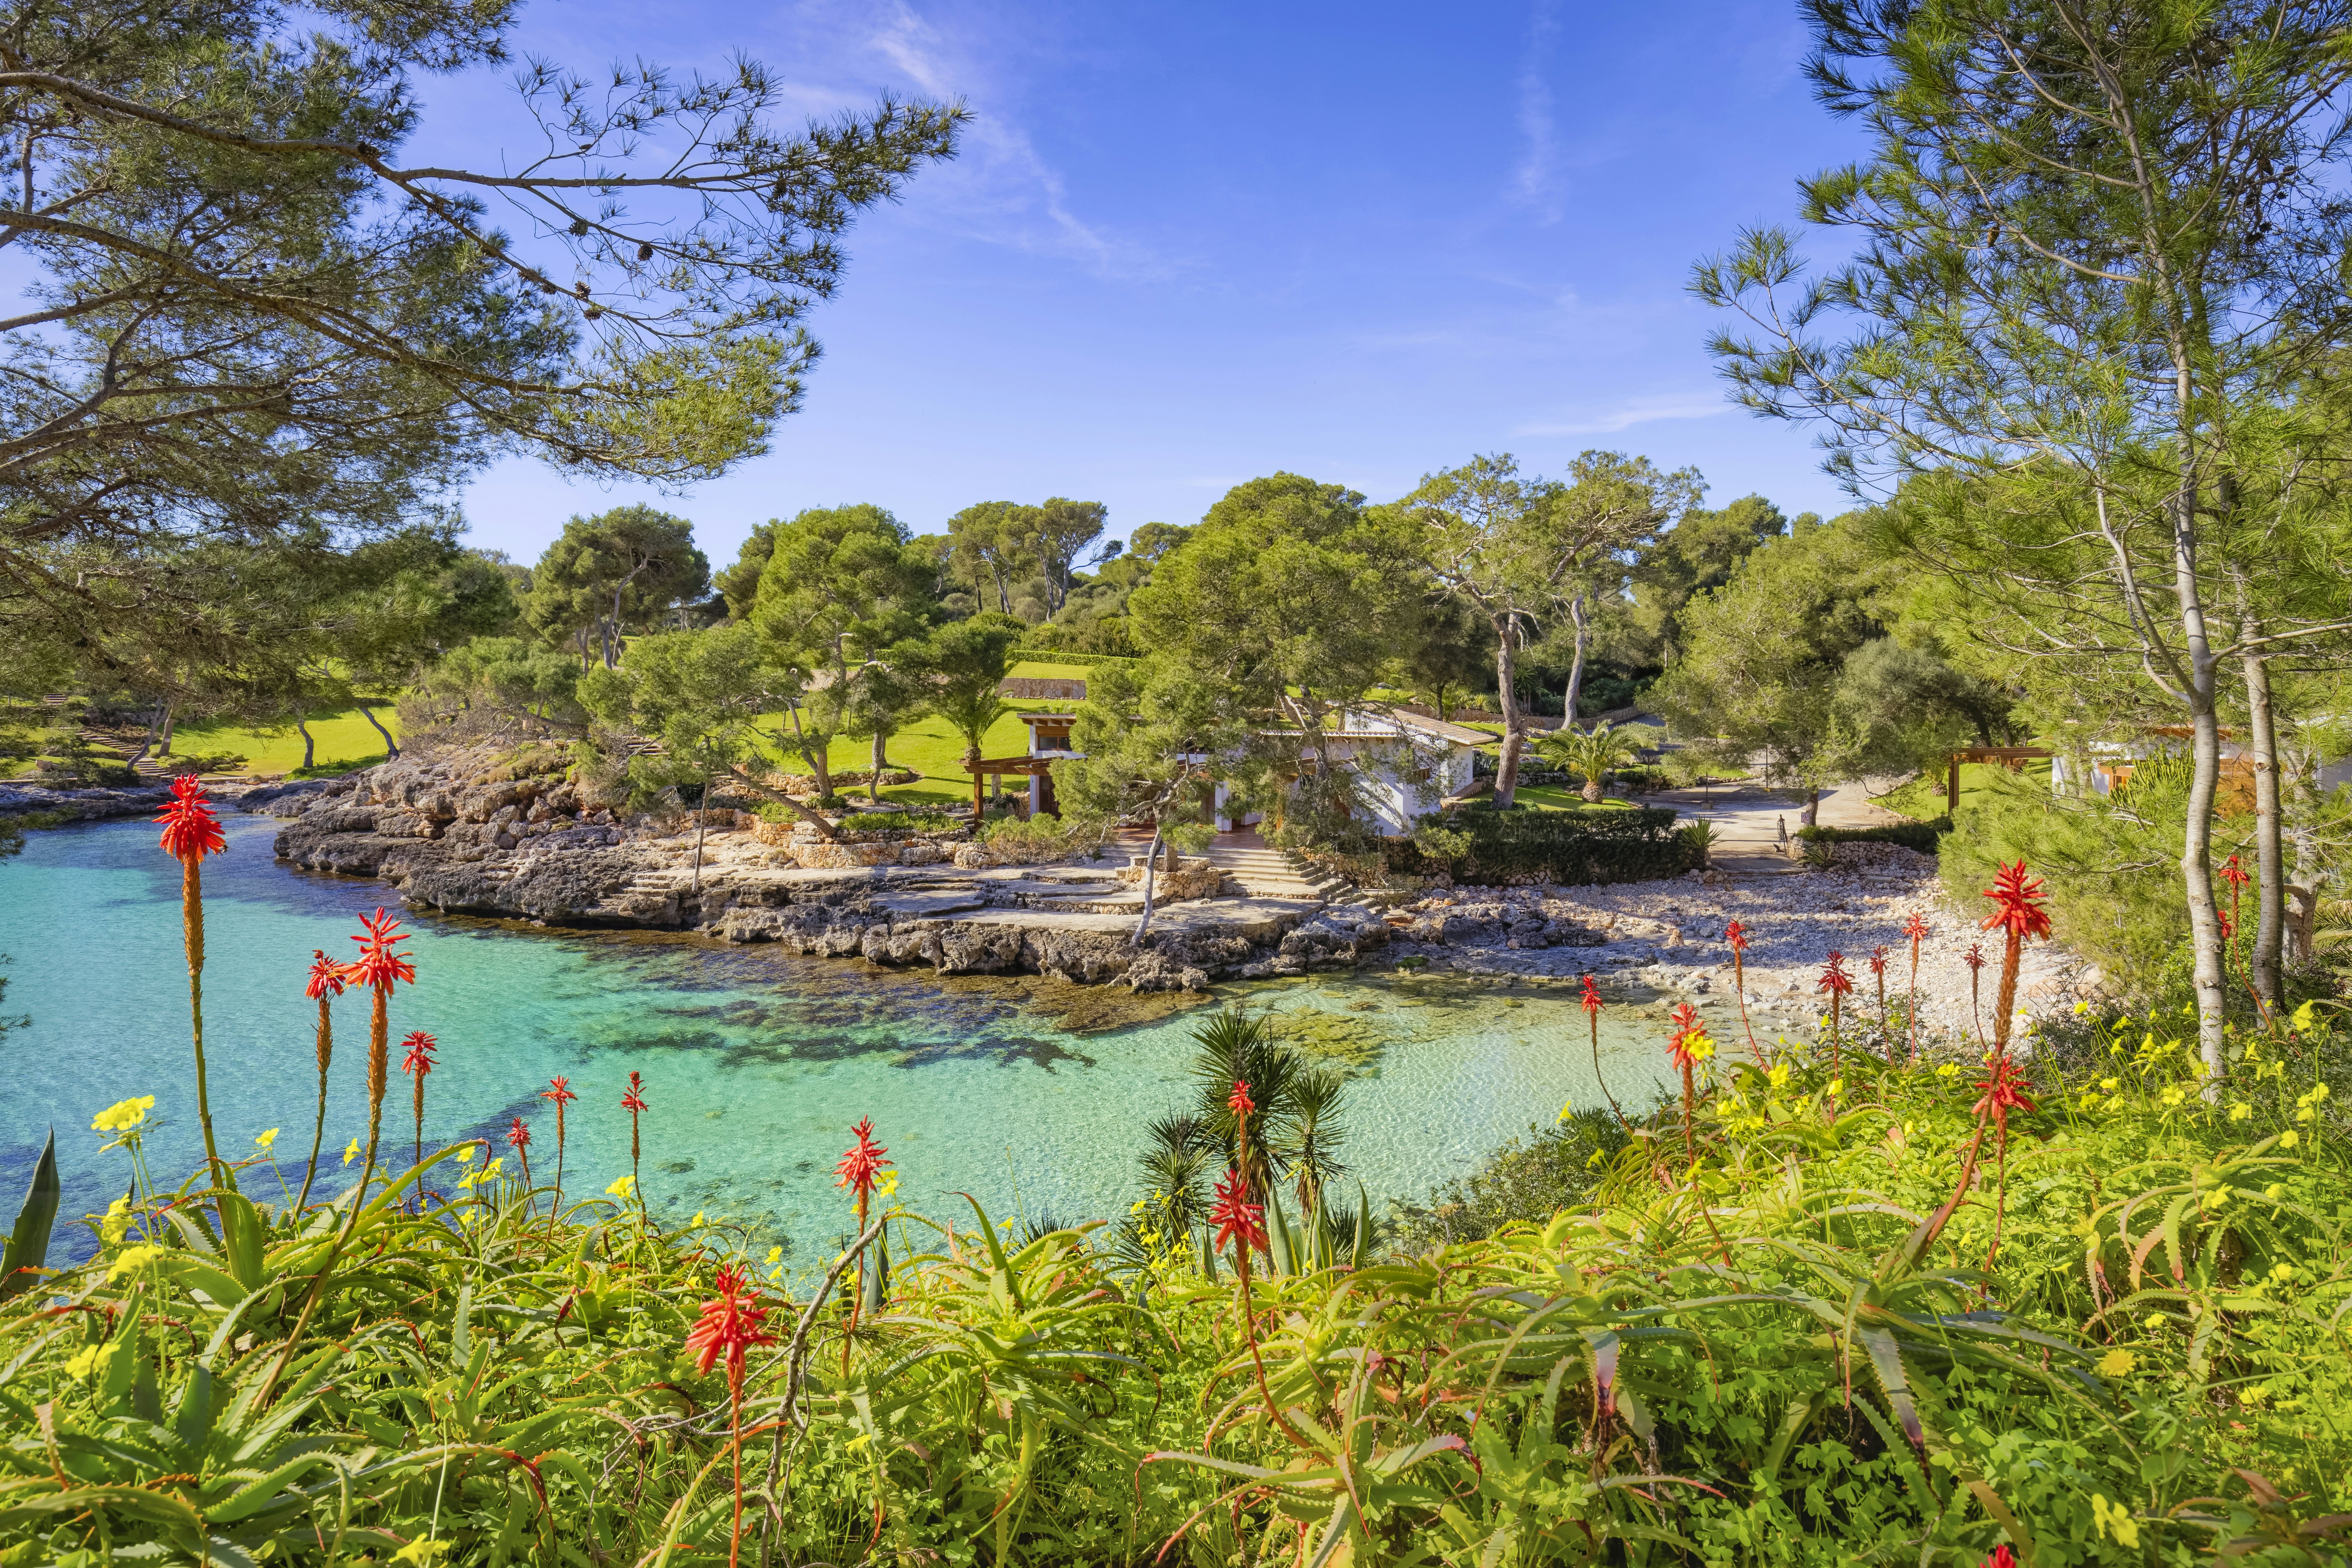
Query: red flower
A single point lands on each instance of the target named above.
(327, 977)
(1878, 959)
(1591, 1000)
(2233, 873)
(2002, 1557)
(2002, 1094)
(863, 1163)
(730, 1325)
(2017, 898)
(1916, 926)
(1834, 980)
(2229, 924)
(1974, 958)
(631, 1099)
(1239, 1102)
(1736, 935)
(191, 831)
(559, 1089)
(378, 965)
(518, 1135)
(421, 1046)
(1235, 1216)
(1689, 1028)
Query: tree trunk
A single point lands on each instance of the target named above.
(881, 761)
(814, 818)
(1575, 695)
(2269, 891)
(309, 746)
(170, 716)
(154, 723)
(1507, 670)
(1150, 866)
(972, 766)
(391, 746)
(702, 817)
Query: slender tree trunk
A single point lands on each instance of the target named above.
(391, 746)
(1151, 866)
(881, 761)
(2205, 767)
(701, 820)
(310, 745)
(2269, 891)
(1575, 668)
(1506, 671)
(972, 766)
(154, 723)
(170, 716)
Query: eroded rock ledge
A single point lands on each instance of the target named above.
(455, 837)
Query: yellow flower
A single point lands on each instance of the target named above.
(1837, 1086)
(1700, 1048)
(465, 1152)
(2115, 1362)
(422, 1551)
(351, 1151)
(2275, 1191)
(115, 1224)
(2303, 1017)
(122, 1115)
(84, 1361)
(2319, 1091)
(2109, 1085)
(2153, 1322)
(775, 1254)
(696, 1223)
(2081, 1009)
(2241, 1112)
(621, 1188)
(131, 1259)
(1567, 1108)
(2174, 1094)
(2113, 1519)
(2284, 1274)
(264, 1141)
(887, 1186)
(2289, 1138)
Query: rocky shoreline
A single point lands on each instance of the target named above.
(479, 832)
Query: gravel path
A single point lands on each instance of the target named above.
(1669, 934)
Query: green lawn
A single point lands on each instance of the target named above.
(342, 738)
(1038, 669)
(1923, 799)
(1550, 799)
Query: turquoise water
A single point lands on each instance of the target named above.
(756, 1062)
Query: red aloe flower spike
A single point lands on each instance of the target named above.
(519, 1140)
(1736, 935)
(1241, 1225)
(1838, 984)
(1915, 928)
(1589, 1000)
(2002, 1095)
(559, 1089)
(731, 1325)
(1237, 1219)
(1975, 959)
(1239, 1102)
(418, 1063)
(1879, 972)
(2002, 1557)
(857, 1170)
(378, 967)
(632, 1101)
(1683, 1049)
(2017, 913)
(191, 832)
(326, 983)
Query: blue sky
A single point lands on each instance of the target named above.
(1190, 243)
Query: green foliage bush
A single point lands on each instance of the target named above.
(1771, 1356)
(1601, 844)
(1927, 838)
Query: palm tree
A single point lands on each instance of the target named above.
(1592, 753)
(964, 663)
(1310, 1136)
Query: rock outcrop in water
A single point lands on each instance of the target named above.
(464, 833)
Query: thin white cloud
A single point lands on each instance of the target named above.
(1006, 192)
(1640, 411)
(1535, 182)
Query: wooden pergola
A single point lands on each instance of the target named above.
(2012, 757)
(995, 769)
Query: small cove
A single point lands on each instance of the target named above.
(756, 1061)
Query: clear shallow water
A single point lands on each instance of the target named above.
(756, 1061)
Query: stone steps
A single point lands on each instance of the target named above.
(1271, 874)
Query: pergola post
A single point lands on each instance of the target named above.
(1952, 787)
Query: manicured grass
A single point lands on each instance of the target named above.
(1565, 799)
(344, 737)
(1038, 669)
(1923, 799)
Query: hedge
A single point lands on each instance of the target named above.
(1613, 844)
(1055, 656)
(1924, 837)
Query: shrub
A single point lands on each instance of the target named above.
(1587, 845)
(1927, 838)
(899, 822)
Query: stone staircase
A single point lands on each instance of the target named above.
(1262, 872)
